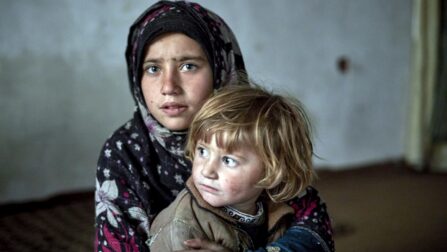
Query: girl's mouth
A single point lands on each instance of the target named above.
(173, 109)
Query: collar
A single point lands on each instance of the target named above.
(275, 211)
(245, 218)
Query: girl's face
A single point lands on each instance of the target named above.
(227, 179)
(177, 80)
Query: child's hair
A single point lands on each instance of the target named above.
(276, 127)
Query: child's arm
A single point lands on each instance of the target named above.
(171, 237)
(311, 230)
(201, 244)
(295, 238)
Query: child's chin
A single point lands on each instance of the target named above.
(213, 203)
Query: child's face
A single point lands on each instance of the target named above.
(227, 179)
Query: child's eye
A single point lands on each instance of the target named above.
(152, 69)
(188, 67)
(230, 162)
(202, 152)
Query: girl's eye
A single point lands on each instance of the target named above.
(152, 69)
(230, 162)
(202, 152)
(188, 67)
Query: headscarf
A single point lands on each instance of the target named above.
(222, 51)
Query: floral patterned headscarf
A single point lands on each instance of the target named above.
(222, 51)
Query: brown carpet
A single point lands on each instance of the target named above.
(379, 208)
(62, 223)
(386, 208)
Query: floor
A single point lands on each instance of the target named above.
(386, 208)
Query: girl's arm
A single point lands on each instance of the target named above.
(311, 230)
(121, 200)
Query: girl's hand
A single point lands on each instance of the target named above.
(201, 245)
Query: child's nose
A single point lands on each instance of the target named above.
(209, 170)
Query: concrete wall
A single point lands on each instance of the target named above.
(63, 83)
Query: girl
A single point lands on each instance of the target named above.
(177, 54)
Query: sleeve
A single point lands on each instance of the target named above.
(297, 238)
(171, 236)
(121, 196)
(311, 229)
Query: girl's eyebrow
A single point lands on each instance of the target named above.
(186, 58)
(151, 61)
(181, 59)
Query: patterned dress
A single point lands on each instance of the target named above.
(141, 167)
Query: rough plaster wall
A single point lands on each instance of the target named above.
(63, 83)
(293, 47)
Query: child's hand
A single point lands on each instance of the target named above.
(203, 246)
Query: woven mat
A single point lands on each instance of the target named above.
(64, 223)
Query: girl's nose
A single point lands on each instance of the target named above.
(170, 83)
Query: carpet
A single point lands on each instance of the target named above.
(384, 208)
(61, 223)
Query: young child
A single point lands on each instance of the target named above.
(251, 152)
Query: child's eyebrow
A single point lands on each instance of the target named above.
(201, 143)
(239, 157)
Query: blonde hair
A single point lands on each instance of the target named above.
(277, 128)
